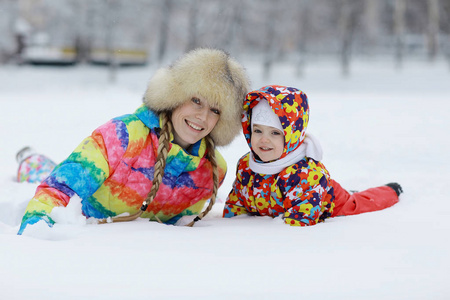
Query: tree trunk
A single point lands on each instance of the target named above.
(399, 31)
(372, 25)
(433, 28)
(345, 25)
(236, 24)
(164, 30)
(110, 35)
(192, 27)
(270, 40)
(12, 41)
(304, 21)
(82, 36)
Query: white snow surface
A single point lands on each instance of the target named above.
(377, 126)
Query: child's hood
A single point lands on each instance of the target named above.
(289, 104)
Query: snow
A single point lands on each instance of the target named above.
(377, 126)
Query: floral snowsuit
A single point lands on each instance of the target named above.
(302, 193)
(112, 172)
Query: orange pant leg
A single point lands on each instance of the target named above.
(372, 199)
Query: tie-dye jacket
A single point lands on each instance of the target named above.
(112, 172)
(301, 193)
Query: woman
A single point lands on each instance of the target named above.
(159, 163)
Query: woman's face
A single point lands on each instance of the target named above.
(193, 120)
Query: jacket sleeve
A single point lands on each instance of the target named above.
(305, 193)
(82, 173)
(235, 203)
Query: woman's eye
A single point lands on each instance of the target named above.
(216, 111)
(196, 100)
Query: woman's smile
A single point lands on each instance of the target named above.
(193, 126)
(193, 120)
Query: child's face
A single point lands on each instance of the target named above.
(267, 142)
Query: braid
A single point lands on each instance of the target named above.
(210, 146)
(163, 150)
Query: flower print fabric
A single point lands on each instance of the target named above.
(302, 193)
(112, 172)
(289, 104)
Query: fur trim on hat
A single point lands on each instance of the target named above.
(211, 74)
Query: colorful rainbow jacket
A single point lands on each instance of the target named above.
(301, 193)
(112, 172)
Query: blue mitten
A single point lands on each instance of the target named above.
(35, 226)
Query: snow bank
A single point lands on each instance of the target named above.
(377, 126)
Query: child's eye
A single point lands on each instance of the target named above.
(196, 100)
(216, 111)
(276, 133)
(256, 131)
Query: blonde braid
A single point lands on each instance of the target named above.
(210, 146)
(163, 150)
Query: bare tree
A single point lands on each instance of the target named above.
(446, 28)
(372, 24)
(303, 34)
(346, 28)
(433, 28)
(192, 41)
(234, 24)
(11, 43)
(110, 23)
(271, 42)
(164, 29)
(82, 29)
(399, 31)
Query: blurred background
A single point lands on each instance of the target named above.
(118, 33)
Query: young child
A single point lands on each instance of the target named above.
(282, 174)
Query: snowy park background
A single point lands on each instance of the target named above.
(377, 76)
(376, 126)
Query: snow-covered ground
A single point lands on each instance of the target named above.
(379, 125)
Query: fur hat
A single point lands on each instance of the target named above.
(211, 74)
